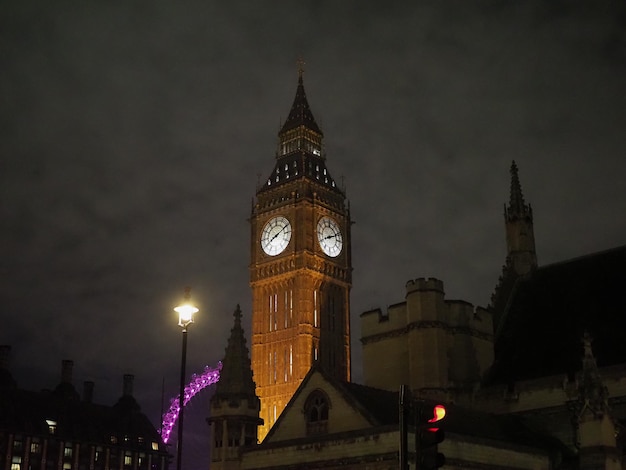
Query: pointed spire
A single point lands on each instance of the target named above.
(236, 375)
(516, 202)
(593, 394)
(300, 114)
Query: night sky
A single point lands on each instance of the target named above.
(133, 135)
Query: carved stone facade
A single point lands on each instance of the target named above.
(300, 270)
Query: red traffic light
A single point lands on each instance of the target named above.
(439, 412)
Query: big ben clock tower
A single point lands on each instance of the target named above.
(300, 270)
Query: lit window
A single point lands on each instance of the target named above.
(67, 466)
(16, 462)
(128, 459)
(155, 445)
(17, 446)
(52, 426)
(67, 452)
(34, 447)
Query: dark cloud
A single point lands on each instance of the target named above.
(133, 135)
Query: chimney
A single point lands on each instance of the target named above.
(128, 384)
(88, 391)
(5, 354)
(66, 371)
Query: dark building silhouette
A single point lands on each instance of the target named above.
(57, 430)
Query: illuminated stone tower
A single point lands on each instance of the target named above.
(300, 270)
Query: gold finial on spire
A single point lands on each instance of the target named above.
(301, 64)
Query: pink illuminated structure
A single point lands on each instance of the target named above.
(210, 376)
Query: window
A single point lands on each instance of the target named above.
(316, 410)
(285, 366)
(17, 446)
(113, 439)
(52, 426)
(67, 451)
(155, 445)
(275, 368)
(128, 459)
(16, 462)
(34, 447)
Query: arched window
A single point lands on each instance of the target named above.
(316, 408)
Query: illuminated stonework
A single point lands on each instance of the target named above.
(300, 291)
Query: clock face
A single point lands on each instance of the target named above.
(329, 236)
(276, 235)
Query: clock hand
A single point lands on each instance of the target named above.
(330, 236)
(277, 233)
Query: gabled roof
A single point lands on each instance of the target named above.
(381, 409)
(550, 309)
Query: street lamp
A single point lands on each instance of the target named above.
(185, 318)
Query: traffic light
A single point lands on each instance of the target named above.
(427, 435)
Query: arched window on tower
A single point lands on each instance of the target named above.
(316, 410)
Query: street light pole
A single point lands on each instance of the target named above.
(185, 318)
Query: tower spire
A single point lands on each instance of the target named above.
(595, 424)
(520, 235)
(516, 201)
(236, 374)
(300, 113)
(235, 406)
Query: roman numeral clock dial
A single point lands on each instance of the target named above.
(276, 235)
(329, 237)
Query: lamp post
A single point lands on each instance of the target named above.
(185, 318)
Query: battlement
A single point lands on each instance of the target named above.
(463, 315)
(374, 322)
(424, 284)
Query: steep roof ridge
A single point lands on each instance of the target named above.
(577, 259)
(236, 374)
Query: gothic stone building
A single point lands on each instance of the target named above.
(536, 380)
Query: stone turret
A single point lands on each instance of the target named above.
(521, 256)
(235, 406)
(436, 346)
(520, 235)
(596, 427)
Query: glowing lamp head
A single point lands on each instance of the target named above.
(186, 311)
